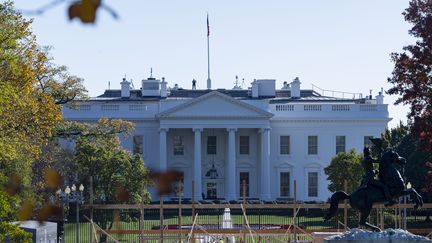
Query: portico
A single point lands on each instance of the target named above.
(213, 135)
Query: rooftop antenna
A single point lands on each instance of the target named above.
(236, 83)
(208, 54)
(132, 84)
(151, 72)
(109, 85)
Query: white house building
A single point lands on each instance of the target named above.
(264, 136)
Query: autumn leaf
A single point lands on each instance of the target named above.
(121, 194)
(47, 211)
(165, 181)
(52, 178)
(85, 10)
(26, 210)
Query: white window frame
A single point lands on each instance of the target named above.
(311, 167)
(248, 188)
(240, 145)
(182, 146)
(289, 145)
(280, 184)
(309, 147)
(308, 185)
(338, 145)
(141, 152)
(207, 145)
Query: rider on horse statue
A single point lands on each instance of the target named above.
(369, 176)
(390, 185)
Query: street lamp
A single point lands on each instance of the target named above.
(71, 195)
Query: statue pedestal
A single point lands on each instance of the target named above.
(386, 236)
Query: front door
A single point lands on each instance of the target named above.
(211, 190)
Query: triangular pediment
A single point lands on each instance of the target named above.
(215, 104)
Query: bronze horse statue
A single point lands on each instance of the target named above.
(363, 198)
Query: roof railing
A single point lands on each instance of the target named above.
(336, 94)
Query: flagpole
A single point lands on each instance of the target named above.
(208, 54)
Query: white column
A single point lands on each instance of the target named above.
(230, 178)
(163, 149)
(265, 164)
(197, 164)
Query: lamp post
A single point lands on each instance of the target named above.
(72, 195)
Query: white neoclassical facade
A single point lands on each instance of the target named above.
(262, 136)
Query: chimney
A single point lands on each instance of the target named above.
(194, 84)
(295, 88)
(255, 89)
(163, 88)
(125, 88)
(380, 98)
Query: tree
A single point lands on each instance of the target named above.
(118, 176)
(344, 167)
(31, 91)
(6, 214)
(98, 154)
(406, 145)
(412, 74)
(63, 158)
(55, 81)
(27, 115)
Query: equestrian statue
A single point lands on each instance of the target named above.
(388, 187)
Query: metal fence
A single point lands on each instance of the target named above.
(250, 223)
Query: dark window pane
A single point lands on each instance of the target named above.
(178, 145)
(340, 144)
(137, 145)
(313, 184)
(284, 144)
(244, 178)
(284, 184)
(312, 144)
(211, 145)
(244, 144)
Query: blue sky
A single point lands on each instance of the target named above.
(340, 45)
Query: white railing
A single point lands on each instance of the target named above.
(84, 108)
(368, 107)
(110, 107)
(312, 107)
(284, 107)
(340, 107)
(137, 107)
(326, 108)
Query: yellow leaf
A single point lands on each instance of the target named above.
(88, 11)
(26, 210)
(74, 10)
(52, 178)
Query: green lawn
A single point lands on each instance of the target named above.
(84, 228)
(311, 222)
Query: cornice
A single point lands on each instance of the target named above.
(165, 114)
